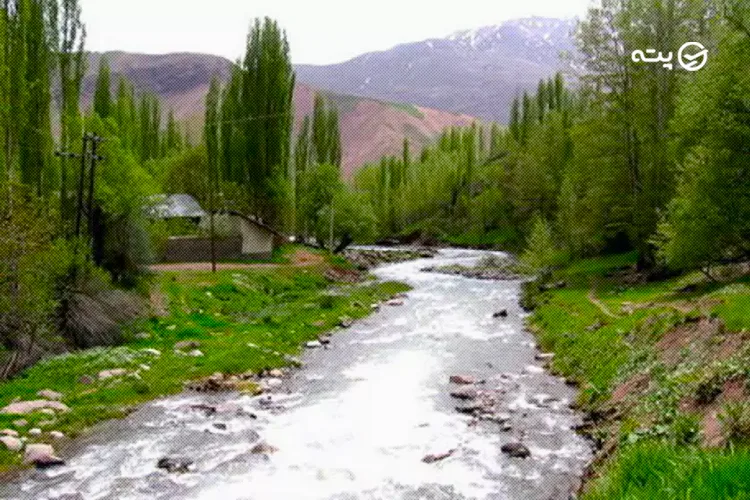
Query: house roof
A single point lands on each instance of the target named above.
(252, 220)
(173, 206)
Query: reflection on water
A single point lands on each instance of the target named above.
(356, 422)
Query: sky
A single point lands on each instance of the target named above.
(319, 31)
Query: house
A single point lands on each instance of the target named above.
(258, 239)
(235, 235)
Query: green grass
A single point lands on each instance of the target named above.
(603, 331)
(659, 471)
(244, 321)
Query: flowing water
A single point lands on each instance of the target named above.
(356, 421)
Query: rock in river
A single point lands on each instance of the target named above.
(501, 314)
(516, 450)
(41, 455)
(432, 458)
(471, 408)
(462, 380)
(178, 465)
(263, 448)
(464, 393)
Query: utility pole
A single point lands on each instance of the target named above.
(84, 203)
(81, 176)
(92, 216)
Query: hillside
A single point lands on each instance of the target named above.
(475, 72)
(370, 128)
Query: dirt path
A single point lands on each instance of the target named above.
(300, 258)
(598, 303)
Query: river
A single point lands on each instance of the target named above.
(357, 420)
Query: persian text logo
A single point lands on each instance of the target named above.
(689, 59)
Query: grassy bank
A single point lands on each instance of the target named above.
(231, 322)
(663, 368)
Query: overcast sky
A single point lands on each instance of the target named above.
(319, 31)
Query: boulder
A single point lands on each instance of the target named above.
(49, 394)
(395, 302)
(185, 345)
(501, 314)
(152, 352)
(324, 339)
(544, 356)
(345, 322)
(179, 465)
(314, 344)
(276, 373)
(462, 380)
(465, 393)
(115, 372)
(35, 432)
(432, 458)
(12, 443)
(515, 450)
(41, 455)
(470, 409)
(27, 407)
(263, 448)
(9, 432)
(270, 383)
(20, 423)
(56, 435)
(195, 353)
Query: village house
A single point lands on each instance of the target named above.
(236, 236)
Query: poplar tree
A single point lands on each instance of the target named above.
(72, 67)
(102, 92)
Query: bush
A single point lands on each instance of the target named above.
(541, 256)
(735, 422)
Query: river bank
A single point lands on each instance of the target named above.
(663, 371)
(433, 395)
(238, 321)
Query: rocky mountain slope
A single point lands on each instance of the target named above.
(474, 72)
(370, 128)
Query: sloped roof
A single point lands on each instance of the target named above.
(252, 220)
(174, 206)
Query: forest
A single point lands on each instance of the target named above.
(631, 156)
(623, 158)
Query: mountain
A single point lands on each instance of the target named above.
(370, 128)
(474, 72)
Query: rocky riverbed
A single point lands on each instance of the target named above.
(489, 267)
(436, 395)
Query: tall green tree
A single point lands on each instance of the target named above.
(102, 91)
(72, 67)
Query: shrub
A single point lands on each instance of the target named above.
(735, 422)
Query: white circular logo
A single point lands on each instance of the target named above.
(693, 62)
